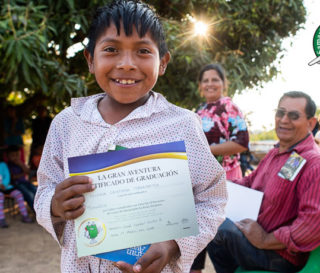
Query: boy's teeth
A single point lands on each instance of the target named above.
(125, 81)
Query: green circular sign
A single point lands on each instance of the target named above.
(316, 42)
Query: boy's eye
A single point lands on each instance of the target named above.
(110, 49)
(144, 51)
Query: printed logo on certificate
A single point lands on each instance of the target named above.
(292, 166)
(91, 232)
(142, 196)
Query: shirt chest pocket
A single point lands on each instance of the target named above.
(279, 191)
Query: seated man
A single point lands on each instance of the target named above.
(288, 225)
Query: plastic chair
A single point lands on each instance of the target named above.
(312, 265)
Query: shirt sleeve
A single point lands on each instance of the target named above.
(247, 180)
(237, 126)
(49, 174)
(303, 234)
(210, 195)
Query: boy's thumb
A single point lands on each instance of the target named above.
(137, 268)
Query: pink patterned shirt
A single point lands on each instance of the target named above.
(223, 121)
(80, 130)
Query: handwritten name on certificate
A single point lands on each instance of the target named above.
(142, 196)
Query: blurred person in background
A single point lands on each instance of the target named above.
(224, 126)
(288, 224)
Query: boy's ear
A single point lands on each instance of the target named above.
(89, 59)
(164, 62)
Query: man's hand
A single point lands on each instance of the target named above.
(154, 260)
(253, 232)
(257, 236)
(67, 201)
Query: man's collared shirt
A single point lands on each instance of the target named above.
(290, 209)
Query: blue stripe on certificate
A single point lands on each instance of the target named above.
(87, 164)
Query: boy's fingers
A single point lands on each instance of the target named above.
(74, 186)
(74, 191)
(73, 214)
(156, 257)
(74, 180)
(67, 201)
(124, 267)
(137, 268)
(155, 267)
(68, 209)
(73, 203)
(149, 262)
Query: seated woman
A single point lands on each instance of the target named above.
(7, 188)
(19, 171)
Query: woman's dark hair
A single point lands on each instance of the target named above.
(217, 67)
(311, 107)
(130, 13)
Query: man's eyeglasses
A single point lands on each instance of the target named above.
(292, 115)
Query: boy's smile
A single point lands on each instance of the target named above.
(126, 67)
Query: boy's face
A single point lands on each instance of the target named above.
(13, 156)
(126, 67)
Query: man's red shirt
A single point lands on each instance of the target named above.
(290, 209)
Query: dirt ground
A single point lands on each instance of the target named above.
(28, 248)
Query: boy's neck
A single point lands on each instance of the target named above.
(112, 111)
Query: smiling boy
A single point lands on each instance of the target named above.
(126, 68)
(126, 53)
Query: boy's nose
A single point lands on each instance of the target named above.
(126, 62)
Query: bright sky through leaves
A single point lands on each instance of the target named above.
(200, 28)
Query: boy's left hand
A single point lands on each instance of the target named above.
(154, 260)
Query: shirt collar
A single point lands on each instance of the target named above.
(86, 108)
(301, 145)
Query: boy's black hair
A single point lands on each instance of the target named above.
(130, 13)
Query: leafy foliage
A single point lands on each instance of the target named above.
(245, 36)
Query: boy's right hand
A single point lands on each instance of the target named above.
(67, 201)
(154, 260)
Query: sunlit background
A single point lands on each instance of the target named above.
(200, 28)
(258, 104)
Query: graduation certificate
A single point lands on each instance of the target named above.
(142, 196)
